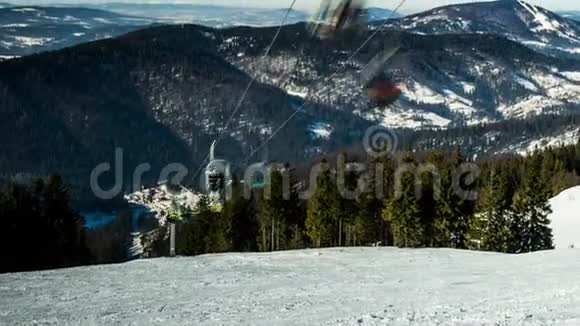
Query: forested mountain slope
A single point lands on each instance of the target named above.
(164, 93)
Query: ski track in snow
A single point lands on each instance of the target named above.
(354, 286)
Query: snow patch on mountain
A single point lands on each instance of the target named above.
(297, 92)
(550, 91)
(14, 25)
(556, 87)
(468, 88)
(399, 116)
(572, 75)
(422, 94)
(526, 83)
(25, 10)
(320, 130)
(102, 20)
(23, 41)
(529, 106)
(526, 146)
(544, 23)
(419, 93)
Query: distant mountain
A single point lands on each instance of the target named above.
(207, 15)
(221, 16)
(525, 23)
(575, 15)
(164, 93)
(29, 30)
(380, 14)
(33, 29)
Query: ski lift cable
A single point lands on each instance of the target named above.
(299, 109)
(252, 80)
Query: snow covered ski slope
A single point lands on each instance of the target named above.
(355, 286)
(566, 219)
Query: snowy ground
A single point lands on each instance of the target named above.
(355, 286)
(566, 219)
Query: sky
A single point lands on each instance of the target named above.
(410, 6)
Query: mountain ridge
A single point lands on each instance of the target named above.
(156, 71)
(164, 93)
(531, 25)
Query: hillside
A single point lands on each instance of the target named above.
(446, 80)
(350, 286)
(162, 95)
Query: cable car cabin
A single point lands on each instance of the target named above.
(217, 176)
(382, 92)
(332, 18)
(216, 181)
(349, 13)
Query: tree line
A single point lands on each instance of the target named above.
(402, 204)
(504, 207)
(38, 228)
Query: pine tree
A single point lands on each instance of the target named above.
(190, 234)
(494, 227)
(215, 227)
(403, 213)
(453, 220)
(241, 214)
(369, 226)
(548, 165)
(65, 225)
(559, 181)
(322, 210)
(294, 211)
(41, 213)
(430, 185)
(530, 226)
(203, 231)
(273, 214)
(348, 207)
